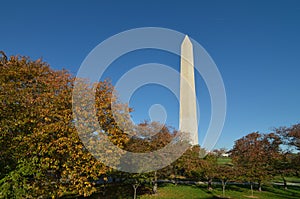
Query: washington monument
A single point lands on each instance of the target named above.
(188, 122)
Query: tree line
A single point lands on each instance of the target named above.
(42, 155)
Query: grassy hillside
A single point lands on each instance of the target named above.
(224, 160)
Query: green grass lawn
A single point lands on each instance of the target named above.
(195, 192)
(292, 179)
(224, 160)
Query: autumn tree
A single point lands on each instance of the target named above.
(255, 154)
(290, 136)
(189, 163)
(41, 152)
(147, 137)
(29, 91)
(288, 160)
(209, 169)
(225, 174)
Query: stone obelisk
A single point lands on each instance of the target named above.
(188, 122)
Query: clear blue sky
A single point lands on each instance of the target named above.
(255, 45)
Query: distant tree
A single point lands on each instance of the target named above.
(284, 166)
(225, 174)
(194, 164)
(290, 136)
(294, 134)
(147, 137)
(256, 153)
(136, 180)
(209, 169)
(288, 161)
(220, 152)
(188, 163)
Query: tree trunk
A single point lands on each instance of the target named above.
(251, 184)
(175, 176)
(284, 182)
(135, 186)
(104, 189)
(155, 183)
(223, 187)
(209, 184)
(259, 186)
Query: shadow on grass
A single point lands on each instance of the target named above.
(202, 188)
(125, 191)
(115, 191)
(278, 190)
